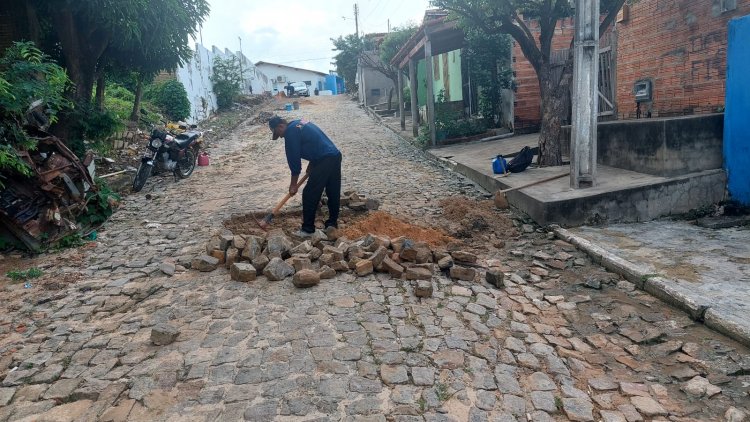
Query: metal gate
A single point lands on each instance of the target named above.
(607, 74)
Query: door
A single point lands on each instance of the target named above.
(736, 121)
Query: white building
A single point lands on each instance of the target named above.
(279, 75)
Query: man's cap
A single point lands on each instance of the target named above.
(275, 121)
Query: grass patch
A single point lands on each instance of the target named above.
(31, 273)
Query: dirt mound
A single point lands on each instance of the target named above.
(467, 216)
(384, 224)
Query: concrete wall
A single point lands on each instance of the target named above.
(290, 74)
(737, 119)
(195, 75)
(681, 46)
(447, 74)
(376, 85)
(662, 147)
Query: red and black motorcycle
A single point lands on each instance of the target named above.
(176, 154)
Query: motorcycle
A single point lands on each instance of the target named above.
(176, 154)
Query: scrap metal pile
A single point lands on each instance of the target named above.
(44, 208)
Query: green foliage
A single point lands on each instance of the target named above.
(395, 39)
(451, 123)
(100, 205)
(349, 49)
(26, 75)
(227, 81)
(70, 241)
(489, 56)
(170, 97)
(18, 275)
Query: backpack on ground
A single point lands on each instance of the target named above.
(521, 161)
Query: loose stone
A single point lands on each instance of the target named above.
(242, 271)
(306, 278)
(164, 334)
(204, 263)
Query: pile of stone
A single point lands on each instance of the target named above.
(325, 254)
(359, 202)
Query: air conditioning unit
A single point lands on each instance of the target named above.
(281, 78)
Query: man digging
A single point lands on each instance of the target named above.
(304, 140)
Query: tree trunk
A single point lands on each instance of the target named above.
(82, 46)
(135, 115)
(553, 106)
(100, 92)
(390, 99)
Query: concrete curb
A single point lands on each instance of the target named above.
(670, 291)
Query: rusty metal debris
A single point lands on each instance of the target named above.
(44, 208)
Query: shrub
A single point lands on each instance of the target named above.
(170, 96)
(26, 75)
(227, 82)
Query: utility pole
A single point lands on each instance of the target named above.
(356, 18)
(585, 95)
(389, 26)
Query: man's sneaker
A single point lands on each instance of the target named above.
(302, 234)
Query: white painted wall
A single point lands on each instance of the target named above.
(196, 77)
(288, 74)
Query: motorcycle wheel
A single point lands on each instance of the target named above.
(144, 171)
(186, 165)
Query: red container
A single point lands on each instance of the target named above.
(203, 159)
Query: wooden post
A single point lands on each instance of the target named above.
(430, 89)
(585, 95)
(413, 86)
(400, 96)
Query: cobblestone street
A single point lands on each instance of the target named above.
(563, 340)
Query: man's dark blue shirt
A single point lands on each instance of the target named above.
(304, 140)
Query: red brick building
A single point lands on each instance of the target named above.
(678, 45)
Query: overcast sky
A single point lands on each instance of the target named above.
(296, 33)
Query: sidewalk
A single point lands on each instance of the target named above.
(705, 272)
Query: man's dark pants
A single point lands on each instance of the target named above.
(325, 174)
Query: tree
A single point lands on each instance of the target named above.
(508, 17)
(488, 58)
(143, 35)
(349, 49)
(381, 61)
(227, 81)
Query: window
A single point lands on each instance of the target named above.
(728, 5)
(308, 83)
(375, 92)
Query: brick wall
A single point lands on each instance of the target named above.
(681, 46)
(527, 102)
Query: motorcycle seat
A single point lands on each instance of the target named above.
(186, 138)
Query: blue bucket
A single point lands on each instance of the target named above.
(288, 107)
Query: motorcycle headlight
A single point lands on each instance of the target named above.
(156, 143)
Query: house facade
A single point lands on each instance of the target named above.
(279, 75)
(373, 85)
(675, 49)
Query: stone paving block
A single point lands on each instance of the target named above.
(164, 334)
(243, 272)
(394, 374)
(6, 394)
